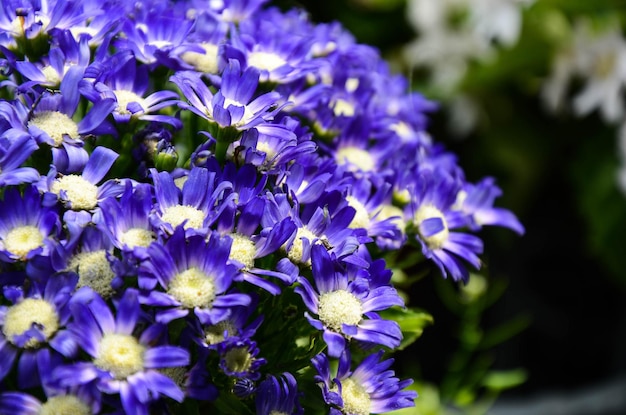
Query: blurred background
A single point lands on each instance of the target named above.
(531, 93)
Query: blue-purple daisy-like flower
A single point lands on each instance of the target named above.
(194, 205)
(13, 153)
(371, 388)
(27, 227)
(193, 280)
(278, 394)
(33, 328)
(123, 362)
(82, 191)
(432, 214)
(345, 308)
(234, 104)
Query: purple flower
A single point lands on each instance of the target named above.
(238, 358)
(433, 218)
(82, 192)
(32, 327)
(234, 104)
(345, 308)
(27, 227)
(193, 280)
(123, 362)
(278, 395)
(12, 154)
(370, 389)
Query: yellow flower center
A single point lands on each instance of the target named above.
(23, 239)
(175, 215)
(120, 354)
(56, 125)
(265, 60)
(436, 240)
(361, 217)
(238, 359)
(355, 157)
(242, 250)
(203, 62)
(297, 247)
(215, 334)
(79, 192)
(21, 317)
(339, 307)
(124, 98)
(192, 288)
(94, 271)
(64, 405)
(356, 400)
(343, 107)
(137, 237)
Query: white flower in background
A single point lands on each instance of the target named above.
(453, 32)
(621, 148)
(599, 60)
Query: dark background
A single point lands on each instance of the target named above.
(567, 274)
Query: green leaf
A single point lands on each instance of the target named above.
(412, 322)
(499, 380)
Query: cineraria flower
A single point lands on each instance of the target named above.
(154, 37)
(33, 328)
(346, 308)
(194, 207)
(234, 104)
(370, 389)
(67, 57)
(477, 201)
(432, 216)
(121, 362)
(122, 80)
(81, 191)
(238, 358)
(20, 403)
(26, 226)
(127, 220)
(278, 395)
(193, 281)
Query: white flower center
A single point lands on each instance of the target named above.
(51, 75)
(269, 151)
(357, 157)
(402, 129)
(94, 271)
(203, 62)
(124, 98)
(192, 288)
(135, 237)
(79, 192)
(21, 317)
(180, 181)
(402, 196)
(297, 247)
(175, 215)
(247, 113)
(339, 307)
(436, 240)
(23, 239)
(361, 217)
(274, 412)
(605, 65)
(391, 211)
(265, 60)
(343, 107)
(242, 250)
(215, 334)
(238, 359)
(56, 125)
(64, 404)
(352, 84)
(356, 400)
(120, 354)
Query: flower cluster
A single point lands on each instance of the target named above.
(197, 199)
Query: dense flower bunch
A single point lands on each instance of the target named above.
(197, 199)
